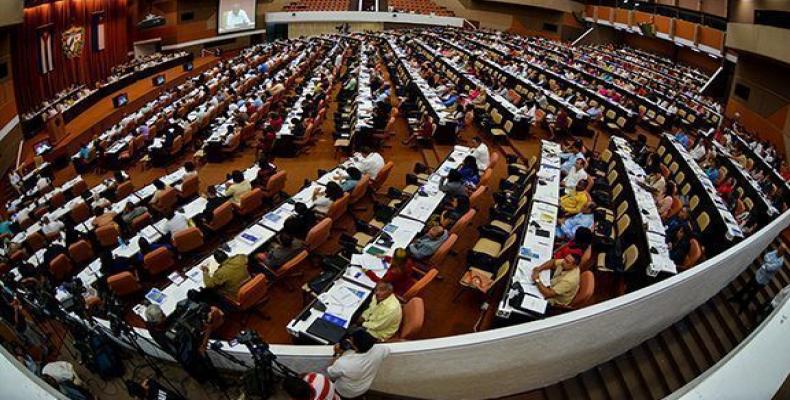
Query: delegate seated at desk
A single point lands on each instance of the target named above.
(280, 251)
(398, 274)
(574, 202)
(383, 316)
(238, 188)
(226, 280)
(424, 247)
(300, 223)
(564, 281)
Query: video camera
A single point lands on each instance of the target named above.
(188, 318)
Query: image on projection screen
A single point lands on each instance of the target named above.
(236, 15)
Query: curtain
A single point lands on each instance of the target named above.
(89, 67)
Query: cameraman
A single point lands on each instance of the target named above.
(357, 361)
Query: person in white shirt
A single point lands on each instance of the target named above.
(16, 181)
(354, 369)
(50, 228)
(370, 164)
(480, 153)
(42, 183)
(237, 18)
(576, 174)
(176, 222)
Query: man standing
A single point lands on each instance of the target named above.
(354, 369)
(772, 261)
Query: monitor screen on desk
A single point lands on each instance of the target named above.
(187, 66)
(120, 100)
(158, 80)
(42, 147)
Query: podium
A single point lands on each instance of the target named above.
(56, 127)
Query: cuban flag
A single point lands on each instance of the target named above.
(97, 31)
(46, 61)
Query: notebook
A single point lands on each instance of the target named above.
(327, 330)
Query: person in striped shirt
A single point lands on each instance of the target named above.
(311, 386)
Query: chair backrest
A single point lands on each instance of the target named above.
(80, 212)
(476, 199)
(60, 267)
(629, 256)
(124, 189)
(586, 290)
(107, 235)
(57, 199)
(81, 252)
(382, 176)
(124, 283)
(418, 286)
(168, 199)
(463, 222)
(289, 265)
(694, 254)
(703, 220)
(141, 221)
(250, 202)
(360, 189)
(318, 234)
(222, 216)
(677, 205)
(79, 187)
(252, 292)
(158, 261)
(443, 250)
(509, 242)
(486, 177)
(189, 187)
(339, 207)
(276, 183)
(494, 160)
(413, 318)
(188, 239)
(693, 202)
(36, 241)
(623, 223)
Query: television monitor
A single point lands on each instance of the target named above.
(236, 16)
(120, 100)
(158, 80)
(187, 66)
(42, 147)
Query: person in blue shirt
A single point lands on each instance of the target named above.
(6, 227)
(352, 178)
(681, 137)
(84, 152)
(424, 246)
(469, 172)
(675, 222)
(773, 261)
(451, 99)
(566, 230)
(110, 265)
(147, 247)
(713, 174)
(263, 68)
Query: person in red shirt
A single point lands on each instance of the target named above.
(311, 386)
(726, 187)
(399, 272)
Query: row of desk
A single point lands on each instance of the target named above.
(426, 95)
(344, 298)
(522, 296)
(724, 228)
(649, 226)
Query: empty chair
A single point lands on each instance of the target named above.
(36, 241)
(80, 212)
(420, 284)
(124, 190)
(187, 240)
(476, 198)
(460, 226)
(377, 182)
(124, 283)
(159, 261)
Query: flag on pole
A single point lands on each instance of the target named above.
(46, 61)
(97, 31)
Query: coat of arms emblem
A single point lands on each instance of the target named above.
(73, 40)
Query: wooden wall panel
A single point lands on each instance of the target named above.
(711, 37)
(621, 16)
(589, 10)
(692, 4)
(716, 7)
(642, 17)
(662, 24)
(605, 13)
(685, 29)
(765, 127)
